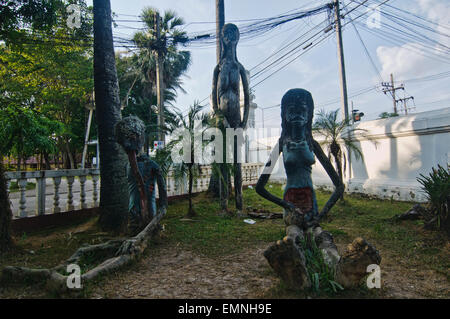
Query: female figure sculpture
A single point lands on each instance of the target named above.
(297, 145)
(301, 214)
(226, 103)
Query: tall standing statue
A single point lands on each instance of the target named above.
(301, 214)
(227, 77)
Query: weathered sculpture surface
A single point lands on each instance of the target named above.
(117, 252)
(142, 172)
(301, 213)
(227, 77)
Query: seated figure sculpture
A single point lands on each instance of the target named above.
(301, 215)
(299, 200)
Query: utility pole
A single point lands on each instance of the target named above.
(215, 183)
(390, 87)
(91, 108)
(220, 21)
(340, 50)
(265, 108)
(159, 80)
(393, 93)
(404, 100)
(262, 110)
(353, 116)
(343, 81)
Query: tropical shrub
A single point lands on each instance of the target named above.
(437, 189)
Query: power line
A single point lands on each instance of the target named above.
(393, 39)
(419, 17)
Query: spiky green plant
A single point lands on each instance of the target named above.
(321, 275)
(190, 169)
(437, 189)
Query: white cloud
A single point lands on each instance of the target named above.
(404, 61)
(438, 12)
(411, 59)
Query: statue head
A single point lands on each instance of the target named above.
(230, 37)
(230, 34)
(130, 133)
(297, 110)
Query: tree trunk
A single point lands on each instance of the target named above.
(191, 212)
(113, 187)
(337, 159)
(56, 160)
(213, 187)
(5, 214)
(47, 161)
(41, 161)
(71, 161)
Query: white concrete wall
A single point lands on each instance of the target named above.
(402, 148)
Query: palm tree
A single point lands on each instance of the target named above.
(138, 77)
(137, 95)
(176, 61)
(113, 188)
(191, 169)
(338, 134)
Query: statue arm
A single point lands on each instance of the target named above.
(339, 186)
(214, 89)
(246, 96)
(264, 178)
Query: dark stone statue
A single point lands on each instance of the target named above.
(142, 172)
(298, 148)
(150, 172)
(227, 77)
(301, 215)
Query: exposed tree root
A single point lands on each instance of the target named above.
(116, 253)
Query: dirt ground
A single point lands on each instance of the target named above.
(170, 272)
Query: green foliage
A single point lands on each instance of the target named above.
(14, 186)
(437, 189)
(338, 134)
(46, 79)
(402, 245)
(137, 72)
(319, 273)
(26, 131)
(35, 14)
(386, 115)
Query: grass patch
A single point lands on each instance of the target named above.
(14, 187)
(47, 248)
(211, 235)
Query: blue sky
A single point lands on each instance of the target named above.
(316, 70)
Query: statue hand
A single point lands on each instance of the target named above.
(288, 206)
(163, 210)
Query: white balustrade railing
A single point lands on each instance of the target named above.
(65, 190)
(51, 186)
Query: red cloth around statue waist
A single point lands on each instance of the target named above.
(302, 198)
